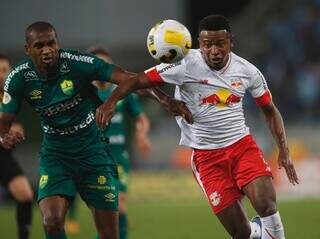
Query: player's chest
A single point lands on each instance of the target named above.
(215, 89)
(42, 93)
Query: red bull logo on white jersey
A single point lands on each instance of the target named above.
(221, 98)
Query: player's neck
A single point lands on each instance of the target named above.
(48, 72)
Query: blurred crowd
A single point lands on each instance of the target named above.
(291, 63)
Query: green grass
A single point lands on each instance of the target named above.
(171, 206)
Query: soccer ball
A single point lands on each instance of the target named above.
(169, 41)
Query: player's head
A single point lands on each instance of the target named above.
(42, 45)
(215, 40)
(4, 68)
(103, 54)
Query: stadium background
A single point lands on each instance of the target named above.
(282, 38)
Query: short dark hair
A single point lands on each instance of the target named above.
(214, 23)
(96, 50)
(39, 27)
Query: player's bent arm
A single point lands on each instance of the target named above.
(119, 75)
(275, 123)
(139, 83)
(126, 84)
(276, 126)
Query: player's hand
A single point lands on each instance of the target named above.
(178, 108)
(104, 113)
(284, 160)
(12, 138)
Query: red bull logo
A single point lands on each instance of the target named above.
(222, 98)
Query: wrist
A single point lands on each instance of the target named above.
(165, 100)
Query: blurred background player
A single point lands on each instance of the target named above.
(116, 132)
(11, 174)
(226, 161)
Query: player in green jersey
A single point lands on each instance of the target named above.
(73, 155)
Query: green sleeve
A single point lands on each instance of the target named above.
(102, 70)
(13, 93)
(134, 105)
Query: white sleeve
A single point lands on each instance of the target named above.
(258, 85)
(168, 73)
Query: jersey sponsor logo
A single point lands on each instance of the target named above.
(67, 87)
(71, 129)
(31, 76)
(236, 84)
(205, 82)
(61, 107)
(110, 197)
(64, 68)
(168, 67)
(102, 180)
(13, 72)
(6, 98)
(82, 58)
(35, 95)
(222, 98)
(215, 198)
(43, 181)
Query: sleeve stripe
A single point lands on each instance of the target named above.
(154, 76)
(265, 99)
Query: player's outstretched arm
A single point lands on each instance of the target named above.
(276, 126)
(9, 138)
(129, 82)
(126, 85)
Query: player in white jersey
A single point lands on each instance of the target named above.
(226, 160)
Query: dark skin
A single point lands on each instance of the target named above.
(215, 47)
(43, 48)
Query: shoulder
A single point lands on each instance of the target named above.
(243, 65)
(18, 73)
(77, 57)
(194, 56)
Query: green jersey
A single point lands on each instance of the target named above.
(67, 115)
(129, 105)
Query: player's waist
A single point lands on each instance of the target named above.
(70, 129)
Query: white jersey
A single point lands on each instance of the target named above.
(213, 97)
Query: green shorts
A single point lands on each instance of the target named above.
(123, 164)
(97, 185)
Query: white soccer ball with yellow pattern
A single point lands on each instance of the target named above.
(169, 41)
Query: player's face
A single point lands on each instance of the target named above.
(215, 47)
(4, 69)
(43, 48)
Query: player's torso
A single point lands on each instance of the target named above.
(58, 100)
(215, 100)
(205, 88)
